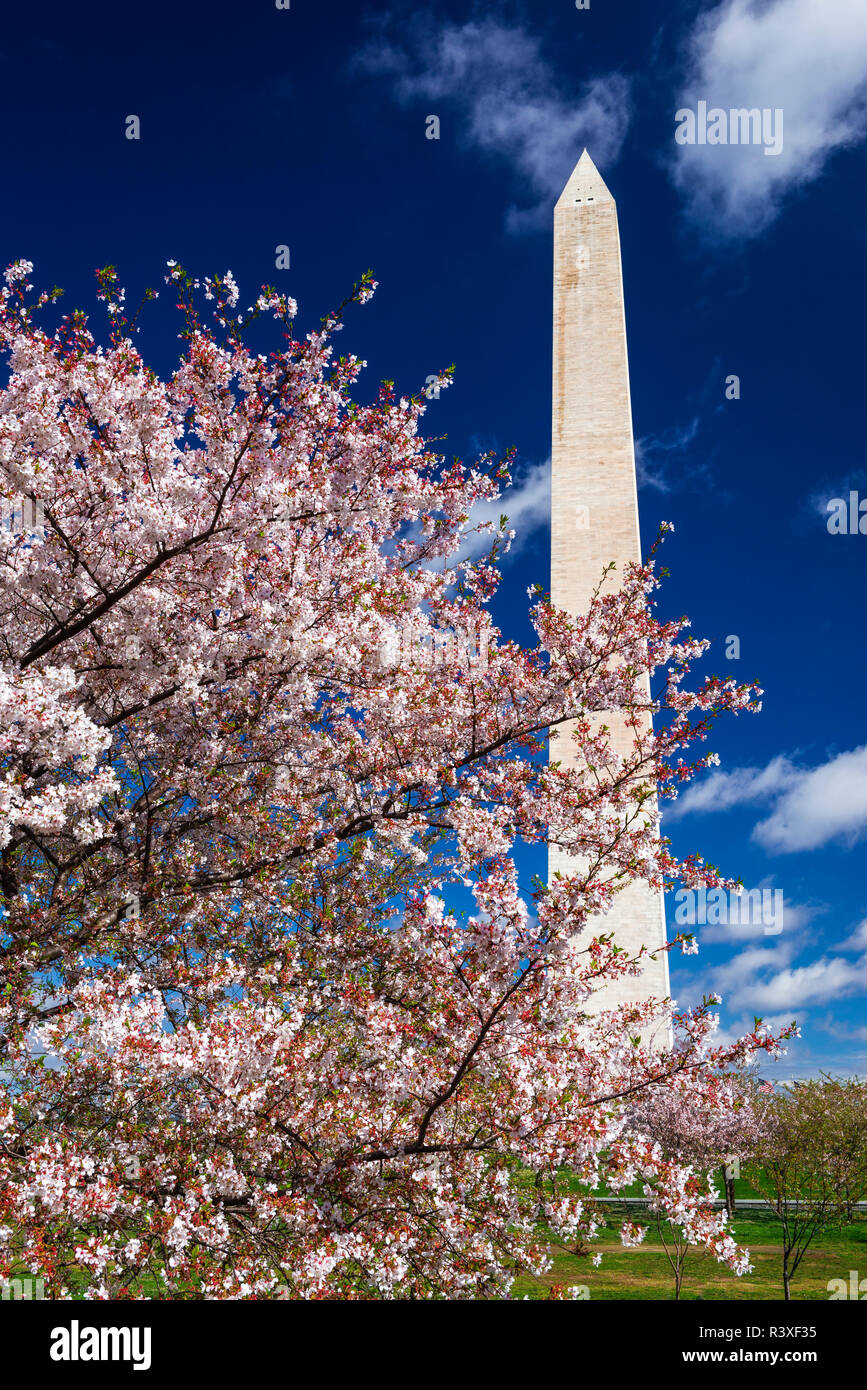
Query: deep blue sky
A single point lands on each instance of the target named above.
(306, 127)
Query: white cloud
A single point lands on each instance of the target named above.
(805, 57)
(763, 980)
(812, 806)
(527, 505)
(822, 980)
(826, 803)
(858, 940)
(722, 790)
(507, 100)
(742, 970)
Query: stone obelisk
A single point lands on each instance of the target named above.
(594, 499)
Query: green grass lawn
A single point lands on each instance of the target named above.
(643, 1272)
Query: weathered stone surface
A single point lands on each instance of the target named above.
(594, 502)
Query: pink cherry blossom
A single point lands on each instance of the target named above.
(301, 1069)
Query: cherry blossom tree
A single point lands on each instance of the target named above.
(279, 1017)
(703, 1135)
(708, 1136)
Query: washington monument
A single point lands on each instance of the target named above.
(594, 499)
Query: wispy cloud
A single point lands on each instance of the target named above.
(507, 101)
(655, 455)
(817, 502)
(843, 1032)
(807, 58)
(527, 504)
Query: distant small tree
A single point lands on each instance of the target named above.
(810, 1161)
(704, 1138)
(848, 1101)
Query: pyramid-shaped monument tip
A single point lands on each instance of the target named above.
(585, 185)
